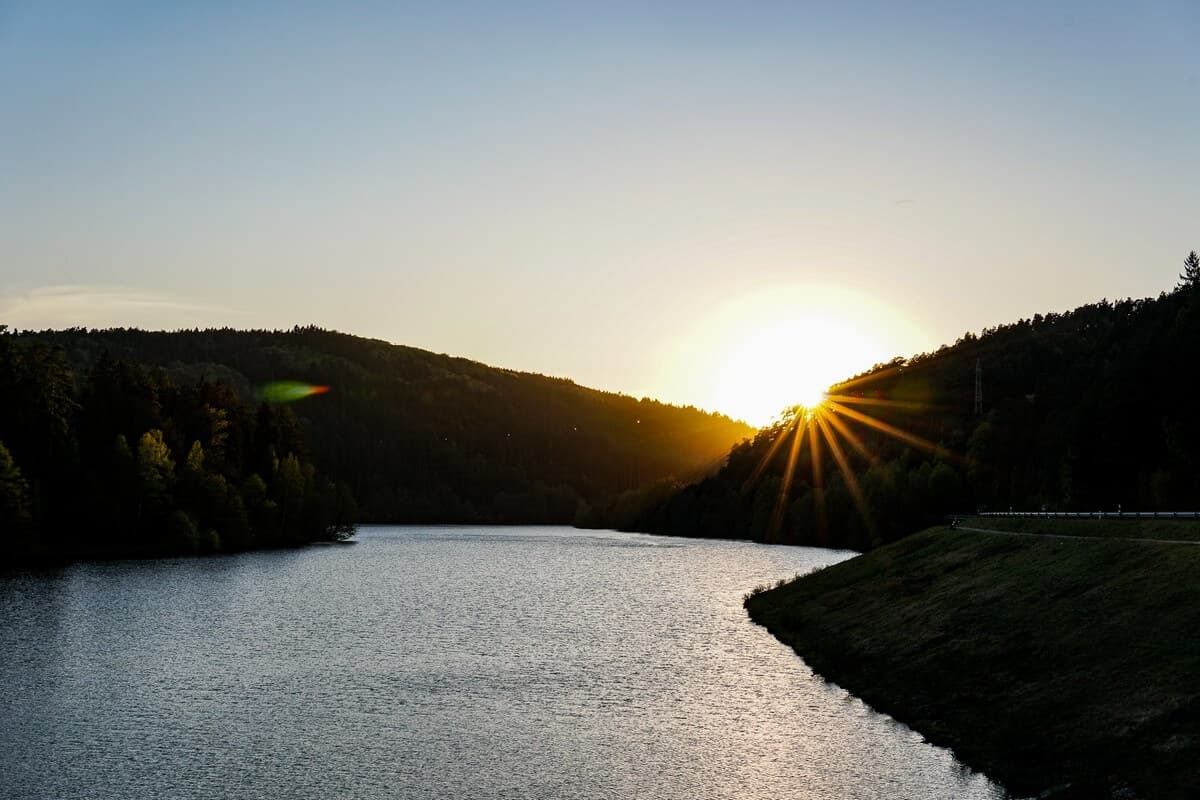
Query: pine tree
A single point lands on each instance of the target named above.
(1191, 271)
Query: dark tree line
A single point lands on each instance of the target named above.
(424, 438)
(1086, 410)
(121, 460)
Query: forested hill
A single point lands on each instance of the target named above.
(421, 437)
(1091, 409)
(122, 461)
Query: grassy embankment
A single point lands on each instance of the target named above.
(1109, 527)
(1058, 666)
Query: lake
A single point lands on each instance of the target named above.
(437, 662)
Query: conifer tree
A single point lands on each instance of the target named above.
(1191, 271)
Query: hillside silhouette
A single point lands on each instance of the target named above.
(418, 437)
(122, 461)
(1085, 410)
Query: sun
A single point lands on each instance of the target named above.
(770, 351)
(786, 362)
(811, 398)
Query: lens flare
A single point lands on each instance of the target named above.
(288, 391)
(827, 423)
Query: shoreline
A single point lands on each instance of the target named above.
(1058, 669)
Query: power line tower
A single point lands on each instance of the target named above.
(978, 388)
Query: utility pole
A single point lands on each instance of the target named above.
(978, 388)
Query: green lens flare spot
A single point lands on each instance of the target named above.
(288, 391)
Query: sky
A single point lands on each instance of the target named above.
(708, 203)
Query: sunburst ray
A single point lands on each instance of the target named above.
(770, 454)
(893, 431)
(789, 472)
(818, 476)
(843, 465)
(851, 437)
(910, 405)
(868, 378)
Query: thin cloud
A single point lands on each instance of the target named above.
(96, 306)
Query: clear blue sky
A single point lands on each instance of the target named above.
(585, 189)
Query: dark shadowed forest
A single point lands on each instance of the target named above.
(1092, 409)
(92, 421)
(121, 460)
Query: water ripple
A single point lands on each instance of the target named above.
(436, 663)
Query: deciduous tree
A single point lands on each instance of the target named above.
(14, 503)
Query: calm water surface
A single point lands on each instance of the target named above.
(436, 663)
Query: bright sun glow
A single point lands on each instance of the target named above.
(810, 398)
(769, 350)
(787, 362)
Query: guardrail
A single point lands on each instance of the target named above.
(1083, 514)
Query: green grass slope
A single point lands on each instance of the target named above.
(1108, 528)
(1057, 666)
